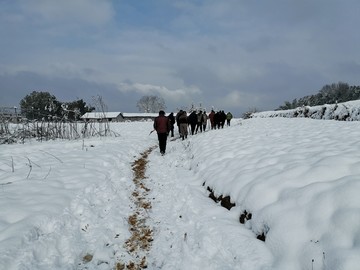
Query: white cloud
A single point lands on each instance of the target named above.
(241, 99)
(231, 99)
(199, 50)
(162, 91)
(91, 12)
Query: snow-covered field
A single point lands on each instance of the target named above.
(299, 178)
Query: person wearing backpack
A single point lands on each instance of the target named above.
(183, 124)
(229, 116)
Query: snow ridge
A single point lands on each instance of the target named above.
(346, 111)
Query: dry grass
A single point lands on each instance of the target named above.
(87, 258)
(141, 234)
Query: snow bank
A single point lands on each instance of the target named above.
(347, 111)
(299, 178)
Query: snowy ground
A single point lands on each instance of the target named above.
(65, 206)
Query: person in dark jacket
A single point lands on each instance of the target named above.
(192, 120)
(172, 123)
(217, 120)
(162, 127)
(222, 119)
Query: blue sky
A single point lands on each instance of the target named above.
(233, 55)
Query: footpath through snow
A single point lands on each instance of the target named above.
(174, 223)
(141, 237)
(190, 230)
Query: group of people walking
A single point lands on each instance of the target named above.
(217, 119)
(195, 121)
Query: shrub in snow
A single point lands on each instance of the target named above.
(347, 111)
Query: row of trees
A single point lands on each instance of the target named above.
(55, 120)
(44, 106)
(329, 94)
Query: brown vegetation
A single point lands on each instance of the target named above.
(141, 237)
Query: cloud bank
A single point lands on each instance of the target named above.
(233, 55)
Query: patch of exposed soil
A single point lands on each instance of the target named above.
(225, 201)
(139, 243)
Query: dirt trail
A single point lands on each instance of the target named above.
(139, 243)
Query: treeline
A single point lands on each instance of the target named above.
(44, 106)
(329, 94)
(43, 117)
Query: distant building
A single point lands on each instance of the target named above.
(10, 114)
(117, 116)
(102, 116)
(139, 116)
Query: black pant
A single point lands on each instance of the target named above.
(192, 127)
(198, 125)
(162, 142)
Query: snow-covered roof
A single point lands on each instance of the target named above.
(99, 115)
(126, 115)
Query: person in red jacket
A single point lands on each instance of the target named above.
(162, 127)
(212, 120)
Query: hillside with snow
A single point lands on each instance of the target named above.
(346, 111)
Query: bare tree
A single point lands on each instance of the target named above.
(102, 108)
(151, 104)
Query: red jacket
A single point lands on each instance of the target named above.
(211, 116)
(162, 124)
